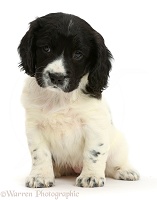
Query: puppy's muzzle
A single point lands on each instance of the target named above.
(57, 78)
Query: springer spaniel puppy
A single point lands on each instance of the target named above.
(68, 125)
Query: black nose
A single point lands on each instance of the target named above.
(56, 78)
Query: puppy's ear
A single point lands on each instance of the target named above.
(99, 74)
(26, 49)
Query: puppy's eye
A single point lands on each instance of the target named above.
(77, 55)
(46, 49)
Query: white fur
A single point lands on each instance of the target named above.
(56, 66)
(71, 127)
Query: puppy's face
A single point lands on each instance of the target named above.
(59, 49)
(64, 54)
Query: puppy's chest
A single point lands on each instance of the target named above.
(62, 125)
(64, 133)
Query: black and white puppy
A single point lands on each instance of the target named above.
(68, 125)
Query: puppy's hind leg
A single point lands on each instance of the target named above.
(118, 166)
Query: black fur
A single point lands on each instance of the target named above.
(101, 144)
(66, 33)
(95, 153)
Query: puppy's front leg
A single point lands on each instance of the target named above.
(42, 174)
(94, 158)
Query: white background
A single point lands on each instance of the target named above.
(129, 28)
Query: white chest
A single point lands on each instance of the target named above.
(65, 136)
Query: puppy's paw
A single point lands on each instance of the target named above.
(90, 181)
(39, 181)
(128, 175)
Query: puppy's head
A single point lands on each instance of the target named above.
(59, 49)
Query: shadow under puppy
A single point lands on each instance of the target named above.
(68, 125)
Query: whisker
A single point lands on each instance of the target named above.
(39, 72)
(40, 67)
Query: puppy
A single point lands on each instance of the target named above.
(68, 126)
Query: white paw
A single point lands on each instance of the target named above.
(128, 175)
(39, 181)
(90, 181)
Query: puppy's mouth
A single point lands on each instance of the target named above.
(54, 86)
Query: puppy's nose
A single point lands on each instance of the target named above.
(56, 78)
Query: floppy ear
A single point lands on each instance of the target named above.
(99, 74)
(26, 50)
